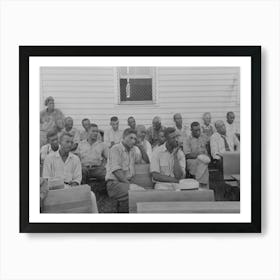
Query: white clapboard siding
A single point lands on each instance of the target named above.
(90, 92)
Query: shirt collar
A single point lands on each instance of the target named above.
(57, 154)
(50, 147)
(115, 131)
(124, 148)
(96, 142)
(163, 148)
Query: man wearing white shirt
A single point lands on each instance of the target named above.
(68, 122)
(168, 164)
(231, 125)
(141, 141)
(84, 133)
(51, 147)
(113, 135)
(93, 155)
(63, 164)
(197, 156)
(66, 166)
(181, 129)
(221, 142)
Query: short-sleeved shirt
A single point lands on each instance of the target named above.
(182, 133)
(55, 167)
(163, 161)
(231, 128)
(92, 154)
(153, 135)
(75, 134)
(207, 130)
(111, 135)
(195, 145)
(121, 159)
(48, 120)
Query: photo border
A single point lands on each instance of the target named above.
(25, 52)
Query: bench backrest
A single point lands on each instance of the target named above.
(157, 195)
(72, 200)
(231, 163)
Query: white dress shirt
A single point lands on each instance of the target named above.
(217, 144)
(55, 167)
(112, 136)
(231, 128)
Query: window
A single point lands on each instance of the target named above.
(136, 85)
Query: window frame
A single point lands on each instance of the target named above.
(141, 102)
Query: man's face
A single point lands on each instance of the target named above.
(156, 124)
(221, 128)
(51, 105)
(53, 140)
(93, 133)
(86, 125)
(60, 123)
(207, 119)
(230, 118)
(196, 131)
(172, 139)
(131, 122)
(141, 134)
(66, 143)
(161, 138)
(178, 119)
(115, 125)
(69, 124)
(130, 140)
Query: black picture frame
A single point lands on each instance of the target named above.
(254, 52)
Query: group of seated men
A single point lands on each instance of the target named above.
(111, 158)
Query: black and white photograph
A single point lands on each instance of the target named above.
(141, 138)
(166, 141)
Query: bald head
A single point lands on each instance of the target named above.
(178, 120)
(220, 126)
(141, 132)
(206, 118)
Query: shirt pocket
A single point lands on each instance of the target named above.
(125, 162)
(164, 169)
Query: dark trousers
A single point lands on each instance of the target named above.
(119, 191)
(96, 172)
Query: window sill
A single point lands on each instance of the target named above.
(137, 103)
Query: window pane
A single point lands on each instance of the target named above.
(124, 71)
(140, 90)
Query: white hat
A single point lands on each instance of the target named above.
(204, 158)
(188, 184)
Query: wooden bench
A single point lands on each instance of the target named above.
(71, 200)
(189, 207)
(163, 196)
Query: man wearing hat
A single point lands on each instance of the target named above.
(196, 154)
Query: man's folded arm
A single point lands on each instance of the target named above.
(120, 176)
(164, 178)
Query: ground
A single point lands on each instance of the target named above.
(222, 191)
